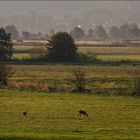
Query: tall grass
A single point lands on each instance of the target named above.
(100, 79)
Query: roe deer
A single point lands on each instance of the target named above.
(82, 112)
(24, 113)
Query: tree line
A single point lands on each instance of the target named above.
(124, 32)
(61, 46)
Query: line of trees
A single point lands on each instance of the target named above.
(124, 32)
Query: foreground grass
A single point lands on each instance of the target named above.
(54, 116)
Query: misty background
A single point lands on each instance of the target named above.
(41, 16)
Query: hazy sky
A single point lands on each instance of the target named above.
(58, 13)
(60, 6)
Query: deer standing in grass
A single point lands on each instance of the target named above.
(24, 113)
(82, 113)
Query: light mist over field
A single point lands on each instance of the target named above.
(64, 15)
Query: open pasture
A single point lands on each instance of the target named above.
(108, 54)
(80, 43)
(55, 116)
(21, 56)
(110, 50)
(117, 58)
(131, 48)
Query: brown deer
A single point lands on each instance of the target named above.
(82, 113)
(25, 113)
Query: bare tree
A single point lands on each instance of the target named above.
(79, 79)
(5, 74)
(134, 84)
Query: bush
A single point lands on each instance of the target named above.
(53, 83)
(5, 74)
(38, 53)
(61, 48)
(53, 86)
(135, 86)
(79, 80)
(87, 58)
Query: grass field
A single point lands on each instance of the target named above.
(106, 58)
(117, 58)
(113, 111)
(110, 50)
(21, 56)
(101, 79)
(54, 116)
(107, 54)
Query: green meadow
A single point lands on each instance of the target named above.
(55, 116)
(105, 54)
(113, 113)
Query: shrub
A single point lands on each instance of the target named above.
(135, 86)
(38, 53)
(5, 74)
(53, 83)
(53, 86)
(79, 79)
(61, 47)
